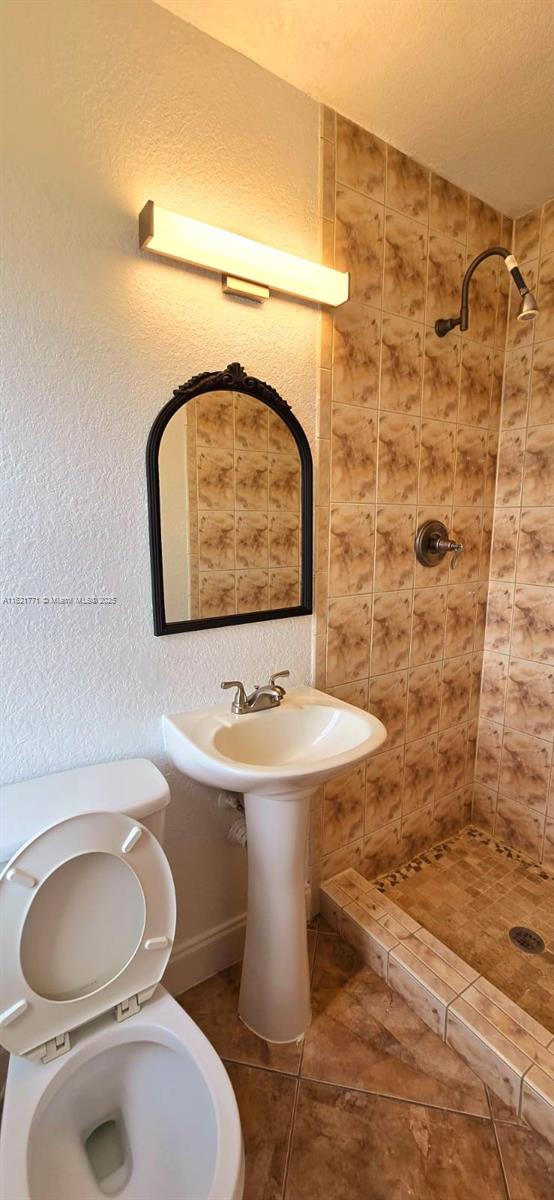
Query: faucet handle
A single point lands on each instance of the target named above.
(279, 675)
(240, 703)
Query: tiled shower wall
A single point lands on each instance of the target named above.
(514, 790)
(408, 429)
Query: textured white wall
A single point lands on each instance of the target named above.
(109, 103)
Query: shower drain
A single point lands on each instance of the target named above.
(527, 939)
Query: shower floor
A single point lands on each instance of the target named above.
(469, 891)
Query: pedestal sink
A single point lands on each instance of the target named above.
(277, 759)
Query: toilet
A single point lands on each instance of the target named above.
(112, 1090)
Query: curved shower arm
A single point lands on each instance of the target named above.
(445, 325)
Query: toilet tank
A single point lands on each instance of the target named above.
(133, 786)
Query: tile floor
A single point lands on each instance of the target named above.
(372, 1106)
(469, 891)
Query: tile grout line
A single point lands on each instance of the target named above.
(498, 1150)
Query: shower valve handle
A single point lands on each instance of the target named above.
(432, 543)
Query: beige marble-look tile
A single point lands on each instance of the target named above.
(398, 458)
(356, 350)
(428, 626)
(535, 560)
(537, 1104)
(280, 438)
(353, 454)
(405, 263)
(517, 1025)
(217, 593)
(401, 365)
(530, 698)
(547, 232)
(420, 988)
(253, 591)
(266, 1103)
(420, 768)
(493, 693)
(545, 320)
(387, 700)
(451, 760)
(343, 809)
(342, 1148)
(252, 547)
(448, 208)
(359, 244)
(390, 639)
(284, 537)
(475, 384)
(527, 232)
(394, 547)
(499, 616)
(484, 807)
(417, 832)
(350, 549)
(251, 424)
(467, 528)
(348, 639)
(516, 388)
(284, 587)
(527, 1159)
(455, 691)
(382, 850)
(423, 700)
(363, 1035)
(437, 461)
(360, 158)
(533, 624)
(483, 225)
(470, 465)
(489, 749)
(216, 540)
(487, 1051)
(484, 296)
(511, 454)
(460, 618)
(214, 419)
(355, 692)
(215, 479)
(444, 280)
(407, 185)
(504, 543)
(213, 1005)
(541, 405)
(441, 376)
(538, 477)
(367, 938)
(383, 790)
(284, 482)
(519, 826)
(338, 860)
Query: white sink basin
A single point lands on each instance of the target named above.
(304, 741)
(277, 758)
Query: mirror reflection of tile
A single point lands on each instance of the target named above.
(234, 546)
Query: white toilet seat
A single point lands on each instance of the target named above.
(88, 919)
(213, 1147)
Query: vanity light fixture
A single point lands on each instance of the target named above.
(248, 268)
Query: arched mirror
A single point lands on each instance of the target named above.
(230, 505)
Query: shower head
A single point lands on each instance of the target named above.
(528, 308)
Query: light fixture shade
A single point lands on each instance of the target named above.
(173, 236)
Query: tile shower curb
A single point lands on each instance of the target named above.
(510, 1051)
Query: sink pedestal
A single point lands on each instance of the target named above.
(275, 987)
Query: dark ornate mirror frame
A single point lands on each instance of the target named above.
(233, 379)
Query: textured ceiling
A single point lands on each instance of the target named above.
(464, 86)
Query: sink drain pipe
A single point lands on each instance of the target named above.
(237, 831)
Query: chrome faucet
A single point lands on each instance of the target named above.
(269, 695)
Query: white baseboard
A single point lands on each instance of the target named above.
(196, 958)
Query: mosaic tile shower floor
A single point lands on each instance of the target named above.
(469, 891)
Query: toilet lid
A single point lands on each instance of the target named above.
(87, 919)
